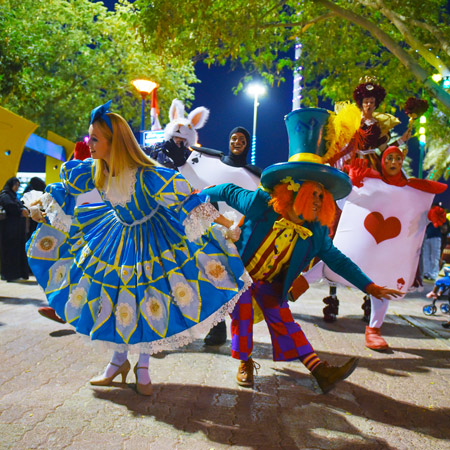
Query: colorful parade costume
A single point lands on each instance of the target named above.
(373, 134)
(386, 215)
(179, 135)
(124, 272)
(258, 239)
(275, 250)
(207, 167)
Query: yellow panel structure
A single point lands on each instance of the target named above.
(52, 165)
(14, 133)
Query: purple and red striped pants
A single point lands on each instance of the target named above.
(288, 340)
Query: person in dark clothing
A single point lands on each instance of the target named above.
(431, 248)
(35, 184)
(240, 143)
(232, 168)
(14, 263)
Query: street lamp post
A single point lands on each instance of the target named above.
(144, 87)
(255, 90)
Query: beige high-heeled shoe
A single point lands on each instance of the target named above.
(106, 381)
(143, 389)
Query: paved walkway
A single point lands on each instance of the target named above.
(396, 400)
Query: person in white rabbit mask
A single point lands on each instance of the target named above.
(180, 134)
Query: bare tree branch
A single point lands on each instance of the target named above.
(304, 26)
(428, 56)
(321, 18)
(441, 39)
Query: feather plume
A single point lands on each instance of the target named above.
(341, 127)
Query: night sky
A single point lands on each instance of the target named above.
(228, 110)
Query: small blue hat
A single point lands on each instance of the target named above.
(101, 112)
(306, 129)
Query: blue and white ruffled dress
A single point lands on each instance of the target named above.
(123, 271)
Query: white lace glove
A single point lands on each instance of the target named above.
(234, 232)
(36, 214)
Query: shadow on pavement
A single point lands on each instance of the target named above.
(254, 419)
(354, 324)
(30, 282)
(385, 409)
(22, 301)
(246, 417)
(60, 333)
(395, 367)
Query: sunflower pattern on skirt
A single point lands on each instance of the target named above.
(125, 271)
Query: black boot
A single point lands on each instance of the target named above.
(332, 309)
(367, 308)
(217, 335)
(327, 376)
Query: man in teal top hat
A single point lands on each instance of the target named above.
(285, 227)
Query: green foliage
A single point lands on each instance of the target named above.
(61, 58)
(338, 46)
(437, 159)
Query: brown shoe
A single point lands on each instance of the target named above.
(374, 340)
(50, 313)
(244, 375)
(327, 376)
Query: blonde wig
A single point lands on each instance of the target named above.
(125, 152)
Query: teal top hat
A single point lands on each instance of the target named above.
(309, 139)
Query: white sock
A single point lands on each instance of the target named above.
(143, 376)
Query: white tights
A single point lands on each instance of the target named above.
(378, 312)
(118, 358)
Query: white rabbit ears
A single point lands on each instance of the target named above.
(197, 117)
(176, 110)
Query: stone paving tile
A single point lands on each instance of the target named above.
(395, 400)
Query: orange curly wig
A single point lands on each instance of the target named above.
(282, 199)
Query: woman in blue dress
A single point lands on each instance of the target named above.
(136, 271)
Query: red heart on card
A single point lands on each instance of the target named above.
(380, 228)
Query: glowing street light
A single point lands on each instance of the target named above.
(255, 90)
(144, 87)
(422, 143)
(436, 77)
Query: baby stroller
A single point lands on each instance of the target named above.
(441, 291)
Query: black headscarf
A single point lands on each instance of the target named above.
(8, 187)
(238, 160)
(8, 198)
(241, 160)
(35, 184)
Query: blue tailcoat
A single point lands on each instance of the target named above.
(258, 222)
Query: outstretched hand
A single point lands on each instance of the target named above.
(35, 211)
(233, 233)
(406, 135)
(358, 170)
(382, 293)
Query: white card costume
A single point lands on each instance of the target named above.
(202, 170)
(89, 197)
(381, 229)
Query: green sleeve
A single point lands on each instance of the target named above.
(238, 198)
